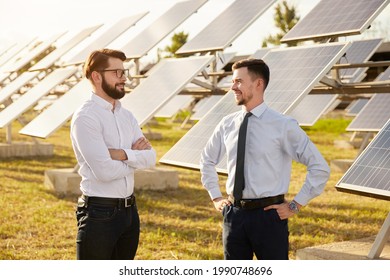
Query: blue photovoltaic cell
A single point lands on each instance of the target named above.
(369, 175)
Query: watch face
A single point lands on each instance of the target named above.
(293, 207)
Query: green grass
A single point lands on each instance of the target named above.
(36, 223)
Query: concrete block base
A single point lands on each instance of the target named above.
(25, 149)
(347, 250)
(341, 165)
(65, 182)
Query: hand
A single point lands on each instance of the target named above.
(283, 211)
(141, 144)
(220, 203)
(117, 154)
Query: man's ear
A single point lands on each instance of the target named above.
(260, 83)
(96, 77)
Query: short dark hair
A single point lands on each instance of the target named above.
(256, 67)
(99, 60)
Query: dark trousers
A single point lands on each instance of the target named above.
(107, 232)
(259, 232)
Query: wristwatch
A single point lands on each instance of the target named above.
(293, 207)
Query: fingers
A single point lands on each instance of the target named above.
(220, 204)
(142, 144)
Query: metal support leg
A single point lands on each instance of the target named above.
(380, 240)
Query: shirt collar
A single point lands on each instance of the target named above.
(105, 104)
(258, 110)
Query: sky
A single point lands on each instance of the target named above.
(23, 19)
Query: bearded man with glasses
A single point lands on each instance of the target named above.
(109, 146)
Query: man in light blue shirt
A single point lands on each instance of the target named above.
(255, 222)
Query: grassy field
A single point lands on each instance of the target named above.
(36, 223)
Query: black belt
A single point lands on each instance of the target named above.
(106, 201)
(257, 203)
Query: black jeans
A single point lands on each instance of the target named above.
(107, 232)
(259, 232)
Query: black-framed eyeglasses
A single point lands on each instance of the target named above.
(119, 72)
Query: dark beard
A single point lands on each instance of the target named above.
(112, 91)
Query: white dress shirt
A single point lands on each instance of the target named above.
(94, 129)
(273, 141)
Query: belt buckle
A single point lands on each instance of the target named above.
(128, 201)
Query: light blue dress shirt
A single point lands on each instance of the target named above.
(273, 142)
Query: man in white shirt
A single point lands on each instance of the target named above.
(255, 211)
(109, 146)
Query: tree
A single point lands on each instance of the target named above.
(285, 18)
(178, 40)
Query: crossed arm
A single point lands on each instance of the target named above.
(141, 144)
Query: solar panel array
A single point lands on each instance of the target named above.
(28, 99)
(369, 175)
(375, 113)
(43, 64)
(52, 57)
(155, 32)
(26, 59)
(169, 77)
(225, 28)
(59, 112)
(294, 72)
(12, 53)
(105, 38)
(331, 18)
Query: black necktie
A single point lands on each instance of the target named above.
(239, 182)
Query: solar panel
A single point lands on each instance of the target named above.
(360, 51)
(369, 175)
(15, 85)
(311, 108)
(28, 99)
(27, 58)
(177, 103)
(104, 39)
(331, 18)
(375, 113)
(44, 63)
(52, 57)
(6, 48)
(59, 113)
(155, 32)
(169, 78)
(222, 31)
(10, 54)
(294, 71)
(204, 105)
(356, 107)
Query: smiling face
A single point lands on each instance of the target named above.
(248, 89)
